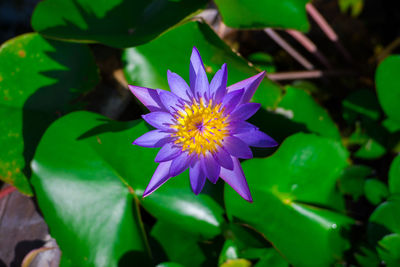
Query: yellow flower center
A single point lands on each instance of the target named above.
(200, 127)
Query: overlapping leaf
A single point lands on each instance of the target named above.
(290, 190)
(39, 79)
(147, 65)
(264, 13)
(388, 86)
(86, 174)
(117, 23)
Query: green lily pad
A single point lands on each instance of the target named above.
(375, 191)
(94, 140)
(300, 107)
(367, 257)
(116, 23)
(147, 65)
(250, 14)
(291, 191)
(39, 79)
(394, 176)
(369, 139)
(263, 61)
(389, 250)
(352, 180)
(230, 251)
(271, 258)
(88, 206)
(361, 103)
(388, 86)
(179, 246)
(385, 219)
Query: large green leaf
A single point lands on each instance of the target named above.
(118, 23)
(89, 208)
(38, 80)
(290, 190)
(384, 230)
(361, 103)
(388, 86)
(389, 250)
(300, 107)
(264, 13)
(179, 246)
(83, 147)
(147, 65)
(385, 219)
(394, 176)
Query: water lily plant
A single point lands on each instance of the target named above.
(202, 127)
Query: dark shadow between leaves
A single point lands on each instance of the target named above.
(50, 102)
(145, 22)
(134, 258)
(22, 249)
(277, 126)
(108, 126)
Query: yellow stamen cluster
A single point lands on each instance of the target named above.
(200, 127)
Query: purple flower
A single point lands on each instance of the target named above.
(202, 127)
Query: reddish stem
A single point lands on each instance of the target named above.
(328, 30)
(285, 45)
(310, 46)
(8, 190)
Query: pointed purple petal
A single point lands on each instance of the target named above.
(148, 97)
(244, 111)
(231, 100)
(155, 138)
(167, 152)
(201, 87)
(236, 127)
(160, 176)
(237, 148)
(178, 86)
(249, 85)
(196, 63)
(223, 158)
(235, 178)
(179, 164)
(160, 120)
(170, 101)
(218, 84)
(197, 177)
(257, 138)
(212, 168)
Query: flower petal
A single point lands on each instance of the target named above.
(218, 84)
(241, 126)
(160, 120)
(231, 100)
(235, 178)
(257, 138)
(212, 168)
(167, 152)
(196, 63)
(179, 164)
(160, 176)
(148, 97)
(201, 87)
(155, 138)
(237, 148)
(197, 177)
(223, 158)
(178, 86)
(244, 111)
(170, 101)
(249, 85)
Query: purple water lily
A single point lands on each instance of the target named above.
(202, 127)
